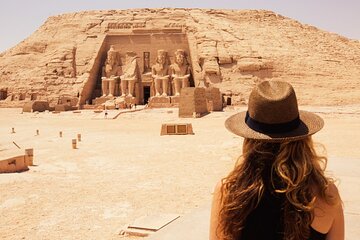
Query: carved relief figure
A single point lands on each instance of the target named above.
(160, 73)
(147, 67)
(180, 72)
(110, 72)
(130, 76)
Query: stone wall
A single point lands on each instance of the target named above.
(192, 102)
(214, 99)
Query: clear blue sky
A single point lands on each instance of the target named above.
(19, 18)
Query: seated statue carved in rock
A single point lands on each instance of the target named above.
(110, 72)
(180, 72)
(130, 75)
(160, 74)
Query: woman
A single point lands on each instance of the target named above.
(278, 189)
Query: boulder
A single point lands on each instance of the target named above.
(36, 106)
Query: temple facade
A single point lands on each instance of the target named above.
(141, 68)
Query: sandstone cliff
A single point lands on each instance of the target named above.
(232, 49)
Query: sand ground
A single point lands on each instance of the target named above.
(123, 169)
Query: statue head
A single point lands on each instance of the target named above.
(112, 48)
(161, 56)
(180, 56)
(111, 56)
(130, 56)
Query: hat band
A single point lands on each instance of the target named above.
(271, 128)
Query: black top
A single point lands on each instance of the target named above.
(266, 222)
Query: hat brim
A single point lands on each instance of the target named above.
(310, 123)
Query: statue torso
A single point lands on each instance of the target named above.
(160, 70)
(130, 70)
(109, 71)
(179, 70)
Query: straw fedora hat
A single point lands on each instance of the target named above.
(273, 115)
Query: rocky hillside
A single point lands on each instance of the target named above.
(238, 47)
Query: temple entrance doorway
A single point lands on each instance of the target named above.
(3, 94)
(228, 101)
(146, 94)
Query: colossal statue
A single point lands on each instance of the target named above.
(160, 74)
(180, 72)
(110, 72)
(130, 76)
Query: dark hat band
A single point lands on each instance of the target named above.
(271, 128)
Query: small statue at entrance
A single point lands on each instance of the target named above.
(180, 72)
(110, 72)
(160, 73)
(147, 67)
(130, 76)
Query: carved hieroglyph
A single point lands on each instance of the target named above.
(160, 74)
(110, 72)
(180, 72)
(130, 76)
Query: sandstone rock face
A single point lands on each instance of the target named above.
(229, 49)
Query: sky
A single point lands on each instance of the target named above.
(20, 18)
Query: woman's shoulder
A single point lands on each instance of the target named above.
(326, 210)
(331, 199)
(333, 191)
(218, 188)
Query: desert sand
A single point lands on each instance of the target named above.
(123, 169)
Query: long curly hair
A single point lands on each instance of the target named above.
(295, 170)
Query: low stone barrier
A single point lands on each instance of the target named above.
(176, 129)
(17, 162)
